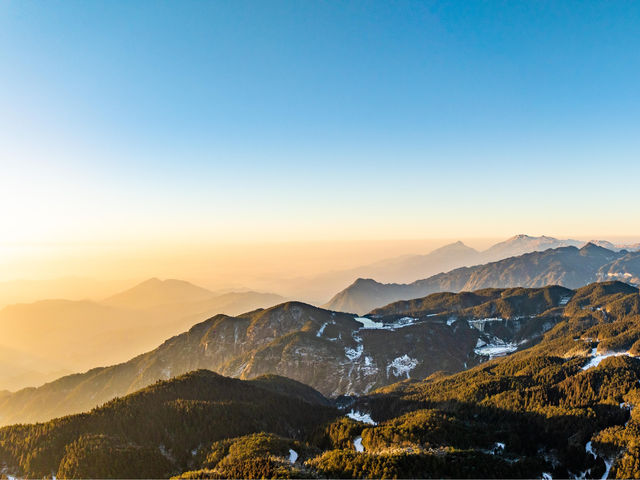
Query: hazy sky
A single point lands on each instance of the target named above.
(133, 123)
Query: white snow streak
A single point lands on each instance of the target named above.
(402, 365)
(597, 358)
(361, 417)
(369, 324)
(481, 322)
(293, 455)
(352, 354)
(357, 443)
(498, 348)
(608, 464)
(564, 300)
(324, 325)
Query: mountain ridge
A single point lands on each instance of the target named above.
(568, 266)
(411, 267)
(153, 293)
(137, 320)
(563, 407)
(153, 431)
(333, 352)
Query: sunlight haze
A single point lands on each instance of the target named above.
(319, 239)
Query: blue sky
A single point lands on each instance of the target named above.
(318, 119)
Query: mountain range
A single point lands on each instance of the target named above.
(571, 267)
(75, 335)
(335, 353)
(560, 406)
(409, 268)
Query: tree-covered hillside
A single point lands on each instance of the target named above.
(158, 430)
(565, 407)
(335, 353)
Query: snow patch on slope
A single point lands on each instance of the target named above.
(354, 354)
(480, 323)
(357, 443)
(293, 455)
(498, 348)
(369, 367)
(402, 365)
(361, 417)
(597, 358)
(321, 331)
(493, 347)
(608, 464)
(368, 324)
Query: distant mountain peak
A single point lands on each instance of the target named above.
(154, 291)
(615, 247)
(525, 237)
(364, 281)
(592, 248)
(458, 244)
(155, 281)
(151, 281)
(545, 263)
(453, 248)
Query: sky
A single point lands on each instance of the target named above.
(145, 126)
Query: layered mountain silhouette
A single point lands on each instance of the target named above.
(521, 244)
(19, 368)
(562, 406)
(409, 268)
(155, 293)
(415, 266)
(81, 334)
(333, 352)
(567, 266)
(78, 335)
(632, 247)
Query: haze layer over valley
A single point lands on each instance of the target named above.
(51, 337)
(81, 334)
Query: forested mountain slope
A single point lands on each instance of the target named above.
(157, 431)
(565, 407)
(336, 353)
